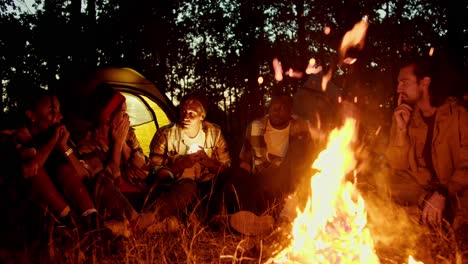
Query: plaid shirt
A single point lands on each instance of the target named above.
(95, 154)
(253, 155)
(167, 145)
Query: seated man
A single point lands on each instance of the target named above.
(274, 160)
(47, 162)
(428, 147)
(189, 155)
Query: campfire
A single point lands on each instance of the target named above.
(332, 227)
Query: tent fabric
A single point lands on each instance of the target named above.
(147, 106)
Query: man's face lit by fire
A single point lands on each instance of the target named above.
(191, 114)
(409, 87)
(46, 113)
(280, 112)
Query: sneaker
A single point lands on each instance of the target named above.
(67, 221)
(90, 222)
(248, 223)
(168, 225)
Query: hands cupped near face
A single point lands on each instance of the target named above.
(61, 135)
(120, 127)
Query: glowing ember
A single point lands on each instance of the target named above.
(355, 99)
(431, 51)
(332, 227)
(312, 67)
(354, 37)
(260, 80)
(294, 74)
(278, 70)
(349, 60)
(326, 30)
(312, 62)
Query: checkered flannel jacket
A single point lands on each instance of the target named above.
(253, 155)
(95, 155)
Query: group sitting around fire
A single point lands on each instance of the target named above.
(103, 179)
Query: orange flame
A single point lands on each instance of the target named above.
(325, 79)
(332, 227)
(411, 260)
(354, 37)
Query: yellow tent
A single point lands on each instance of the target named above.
(147, 106)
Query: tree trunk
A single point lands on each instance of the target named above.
(91, 33)
(50, 7)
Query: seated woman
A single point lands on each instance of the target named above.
(114, 159)
(48, 163)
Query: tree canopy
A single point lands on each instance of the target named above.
(222, 47)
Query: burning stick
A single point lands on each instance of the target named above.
(354, 38)
(312, 67)
(278, 70)
(294, 74)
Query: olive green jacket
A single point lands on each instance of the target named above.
(449, 147)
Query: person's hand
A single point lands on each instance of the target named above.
(433, 208)
(120, 128)
(63, 136)
(187, 161)
(203, 158)
(402, 116)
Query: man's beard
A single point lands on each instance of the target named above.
(410, 101)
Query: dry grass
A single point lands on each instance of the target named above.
(196, 243)
(395, 231)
